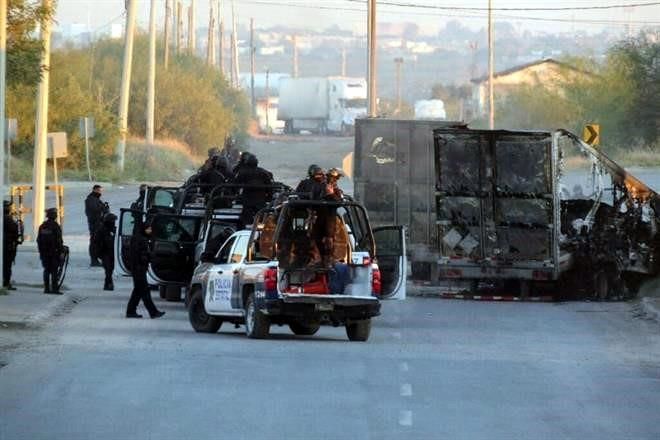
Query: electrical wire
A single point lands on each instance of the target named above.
(546, 9)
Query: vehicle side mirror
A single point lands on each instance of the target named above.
(207, 257)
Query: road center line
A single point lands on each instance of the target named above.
(403, 366)
(396, 335)
(406, 390)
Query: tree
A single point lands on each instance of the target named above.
(23, 48)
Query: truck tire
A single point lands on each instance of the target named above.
(172, 293)
(201, 321)
(358, 330)
(257, 325)
(304, 329)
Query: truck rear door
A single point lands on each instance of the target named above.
(494, 195)
(390, 253)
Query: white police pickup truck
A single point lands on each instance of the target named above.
(303, 264)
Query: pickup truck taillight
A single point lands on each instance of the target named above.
(270, 280)
(375, 282)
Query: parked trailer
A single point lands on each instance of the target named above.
(499, 206)
(321, 104)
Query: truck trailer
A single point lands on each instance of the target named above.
(502, 207)
(321, 104)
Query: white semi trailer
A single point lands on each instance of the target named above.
(322, 104)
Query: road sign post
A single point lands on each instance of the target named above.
(591, 134)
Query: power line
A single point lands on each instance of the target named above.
(469, 8)
(446, 14)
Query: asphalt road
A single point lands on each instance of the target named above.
(432, 369)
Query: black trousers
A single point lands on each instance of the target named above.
(109, 266)
(140, 292)
(92, 249)
(50, 264)
(9, 255)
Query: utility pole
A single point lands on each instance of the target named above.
(267, 100)
(126, 82)
(151, 86)
(179, 26)
(294, 43)
(221, 39)
(41, 128)
(372, 110)
(491, 97)
(193, 36)
(168, 13)
(3, 132)
(343, 61)
(190, 31)
(398, 63)
(237, 71)
(253, 53)
(210, 38)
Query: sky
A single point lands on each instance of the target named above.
(350, 14)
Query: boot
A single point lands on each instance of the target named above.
(47, 283)
(108, 285)
(54, 288)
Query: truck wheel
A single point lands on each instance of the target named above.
(173, 293)
(201, 321)
(359, 330)
(257, 324)
(304, 329)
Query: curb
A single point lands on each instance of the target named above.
(470, 297)
(651, 309)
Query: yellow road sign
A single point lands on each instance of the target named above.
(591, 134)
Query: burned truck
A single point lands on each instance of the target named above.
(504, 209)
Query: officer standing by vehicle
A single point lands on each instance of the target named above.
(11, 235)
(253, 199)
(139, 256)
(104, 244)
(94, 210)
(51, 248)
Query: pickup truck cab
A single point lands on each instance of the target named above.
(186, 221)
(274, 273)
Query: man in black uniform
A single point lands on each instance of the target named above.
(51, 247)
(139, 255)
(253, 199)
(313, 187)
(104, 244)
(8, 245)
(94, 210)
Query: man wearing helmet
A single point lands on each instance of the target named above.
(313, 187)
(254, 195)
(51, 246)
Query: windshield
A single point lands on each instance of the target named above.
(355, 103)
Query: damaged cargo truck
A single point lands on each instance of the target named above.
(501, 208)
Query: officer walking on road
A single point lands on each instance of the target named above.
(9, 245)
(94, 210)
(104, 246)
(51, 248)
(139, 256)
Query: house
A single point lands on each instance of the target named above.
(548, 73)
